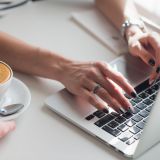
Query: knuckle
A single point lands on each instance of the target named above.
(115, 90)
(98, 64)
(91, 72)
(101, 64)
(119, 76)
(83, 79)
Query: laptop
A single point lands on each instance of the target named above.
(130, 134)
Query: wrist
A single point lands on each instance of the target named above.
(51, 65)
(131, 26)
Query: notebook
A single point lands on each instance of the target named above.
(97, 25)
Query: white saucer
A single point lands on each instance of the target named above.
(17, 93)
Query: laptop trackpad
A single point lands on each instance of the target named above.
(132, 68)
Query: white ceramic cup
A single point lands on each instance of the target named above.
(4, 86)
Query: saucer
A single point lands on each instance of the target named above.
(18, 92)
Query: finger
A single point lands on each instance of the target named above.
(6, 127)
(111, 101)
(117, 77)
(154, 41)
(154, 77)
(139, 50)
(113, 90)
(91, 99)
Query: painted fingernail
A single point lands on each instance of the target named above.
(158, 69)
(133, 94)
(131, 110)
(151, 62)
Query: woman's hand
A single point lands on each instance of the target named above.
(147, 47)
(90, 78)
(6, 127)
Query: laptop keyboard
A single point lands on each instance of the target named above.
(128, 126)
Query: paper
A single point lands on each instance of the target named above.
(96, 24)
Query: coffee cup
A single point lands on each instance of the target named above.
(6, 76)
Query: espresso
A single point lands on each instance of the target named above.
(5, 72)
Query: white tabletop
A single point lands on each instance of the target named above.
(40, 133)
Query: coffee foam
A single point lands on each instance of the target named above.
(5, 72)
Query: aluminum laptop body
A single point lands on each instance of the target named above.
(75, 110)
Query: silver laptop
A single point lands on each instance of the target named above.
(130, 134)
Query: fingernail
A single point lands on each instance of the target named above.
(131, 109)
(151, 62)
(133, 94)
(158, 69)
(122, 110)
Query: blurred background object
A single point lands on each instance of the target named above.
(149, 8)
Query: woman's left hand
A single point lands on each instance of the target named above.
(145, 46)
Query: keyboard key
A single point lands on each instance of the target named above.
(123, 127)
(148, 102)
(158, 79)
(137, 99)
(148, 109)
(155, 87)
(136, 110)
(115, 114)
(99, 114)
(143, 95)
(114, 132)
(140, 125)
(105, 110)
(153, 97)
(132, 103)
(158, 83)
(137, 118)
(120, 119)
(89, 117)
(141, 87)
(141, 106)
(134, 130)
(130, 123)
(130, 141)
(150, 91)
(113, 124)
(104, 120)
(145, 120)
(137, 137)
(127, 115)
(125, 136)
(127, 96)
(144, 113)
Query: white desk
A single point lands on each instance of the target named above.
(40, 133)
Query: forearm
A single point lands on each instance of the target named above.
(30, 59)
(117, 10)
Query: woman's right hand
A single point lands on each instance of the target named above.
(6, 127)
(85, 78)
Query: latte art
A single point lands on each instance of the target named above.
(5, 72)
